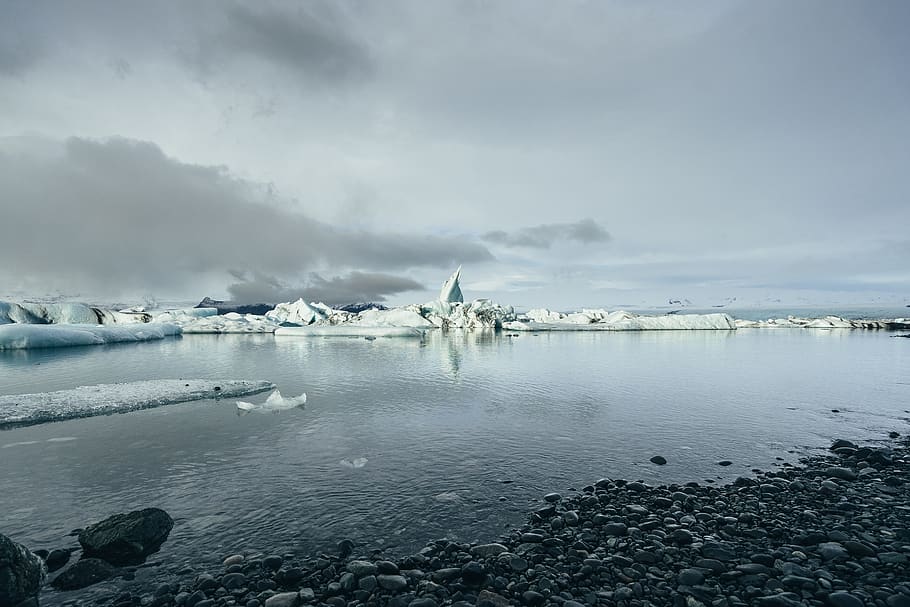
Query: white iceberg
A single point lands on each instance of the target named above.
(601, 320)
(273, 404)
(298, 313)
(451, 290)
(827, 322)
(66, 313)
(23, 336)
(103, 399)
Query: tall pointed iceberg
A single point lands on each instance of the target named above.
(451, 291)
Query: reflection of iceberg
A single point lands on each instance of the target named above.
(273, 404)
(104, 399)
(348, 330)
(20, 336)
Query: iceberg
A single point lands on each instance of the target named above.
(601, 320)
(104, 399)
(298, 313)
(273, 404)
(451, 290)
(66, 313)
(23, 336)
(827, 322)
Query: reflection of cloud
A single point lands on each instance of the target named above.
(586, 231)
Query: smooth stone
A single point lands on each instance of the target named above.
(362, 568)
(690, 577)
(724, 462)
(717, 551)
(57, 559)
(367, 583)
(488, 550)
(423, 602)
(616, 529)
(473, 573)
(283, 599)
(659, 460)
(392, 583)
(532, 598)
(845, 599)
(126, 539)
(235, 559)
(272, 563)
(842, 473)
(832, 551)
(552, 497)
(232, 581)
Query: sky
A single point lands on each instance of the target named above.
(566, 154)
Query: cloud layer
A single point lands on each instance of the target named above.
(586, 231)
(120, 213)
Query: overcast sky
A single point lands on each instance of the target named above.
(568, 154)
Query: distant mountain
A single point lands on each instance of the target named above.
(225, 307)
(357, 308)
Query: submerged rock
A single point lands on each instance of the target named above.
(127, 538)
(22, 573)
(84, 573)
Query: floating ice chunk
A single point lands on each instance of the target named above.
(599, 320)
(451, 290)
(22, 336)
(104, 399)
(360, 462)
(348, 330)
(273, 404)
(408, 316)
(298, 313)
(66, 313)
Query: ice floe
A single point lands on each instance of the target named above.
(347, 330)
(601, 320)
(66, 313)
(104, 399)
(827, 322)
(273, 404)
(22, 336)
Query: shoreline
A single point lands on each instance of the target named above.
(832, 530)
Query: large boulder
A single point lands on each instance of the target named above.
(21, 572)
(126, 539)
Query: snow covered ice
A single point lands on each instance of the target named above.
(104, 399)
(18, 336)
(273, 404)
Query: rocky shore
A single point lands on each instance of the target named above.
(832, 531)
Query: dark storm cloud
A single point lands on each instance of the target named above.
(311, 39)
(586, 231)
(121, 213)
(354, 287)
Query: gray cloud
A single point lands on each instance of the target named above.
(354, 287)
(98, 214)
(586, 231)
(311, 40)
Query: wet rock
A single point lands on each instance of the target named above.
(845, 599)
(842, 473)
(284, 599)
(57, 559)
(126, 539)
(84, 573)
(22, 573)
(487, 550)
(659, 460)
(392, 583)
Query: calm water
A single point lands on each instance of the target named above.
(441, 423)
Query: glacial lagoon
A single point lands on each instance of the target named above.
(403, 441)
